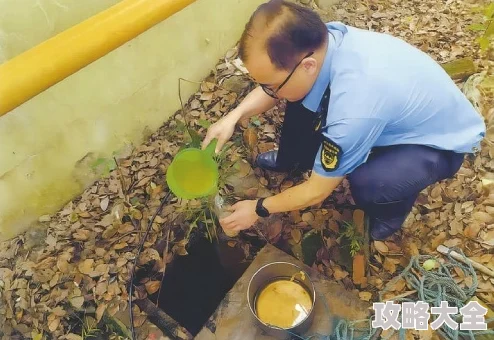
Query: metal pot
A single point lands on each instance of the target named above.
(276, 271)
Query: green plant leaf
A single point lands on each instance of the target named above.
(489, 11)
(36, 336)
(103, 166)
(204, 123)
(476, 27)
(484, 43)
(195, 138)
(255, 121)
(354, 238)
(477, 9)
(135, 201)
(490, 30)
(180, 126)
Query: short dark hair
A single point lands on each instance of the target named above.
(293, 30)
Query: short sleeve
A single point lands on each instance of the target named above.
(345, 145)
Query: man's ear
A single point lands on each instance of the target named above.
(310, 65)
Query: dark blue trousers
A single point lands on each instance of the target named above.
(387, 185)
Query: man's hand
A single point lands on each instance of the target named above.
(311, 192)
(221, 130)
(256, 102)
(243, 216)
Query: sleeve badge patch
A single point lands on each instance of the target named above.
(330, 155)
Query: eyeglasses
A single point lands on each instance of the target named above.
(272, 93)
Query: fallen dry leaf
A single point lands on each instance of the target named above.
(459, 272)
(99, 311)
(274, 229)
(489, 237)
(381, 247)
(296, 235)
(104, 203)
(389, 265)
(120, 245)
(483, 217)
(438, 240)
(77, 301)
(308, 217)
(139, 320)
(451, 243)
(365, 296)
(250, 138)
(152, 286)
(86, 267)
(339, 273)
(472, 230)
(486, 258)
(53, 324)
(456, 227)
(72, 336)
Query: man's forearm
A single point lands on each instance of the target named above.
(311, 192)
(255, 103)
(294, 198)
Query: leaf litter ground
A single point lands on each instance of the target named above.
(79, 262)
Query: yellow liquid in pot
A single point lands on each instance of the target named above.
(283, 303)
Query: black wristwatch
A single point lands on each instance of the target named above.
(260, 209)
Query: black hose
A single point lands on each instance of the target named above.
(141, 245)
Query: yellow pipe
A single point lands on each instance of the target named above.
(44, 65)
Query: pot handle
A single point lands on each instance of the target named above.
(209, 150)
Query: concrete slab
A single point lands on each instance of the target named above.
(233, 319)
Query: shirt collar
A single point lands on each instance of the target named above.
(336, 31)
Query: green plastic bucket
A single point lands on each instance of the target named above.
(193, 173)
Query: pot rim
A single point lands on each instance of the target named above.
(313, 293)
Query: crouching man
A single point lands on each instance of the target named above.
(360, 104)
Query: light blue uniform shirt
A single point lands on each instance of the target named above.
(387, 92)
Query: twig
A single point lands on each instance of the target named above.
(163, 321)
(213, 103)
(200, 83)
(141, 245)
(480, 267)
(401, 295)
(480, 242)
(260, 233)
(377, 334)
(132, 185)
(181, 102)
(122, 181)
(126, 234)
(165, 254)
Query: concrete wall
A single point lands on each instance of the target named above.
(26, 23)
(48, 144)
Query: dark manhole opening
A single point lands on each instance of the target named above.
(195, 284)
